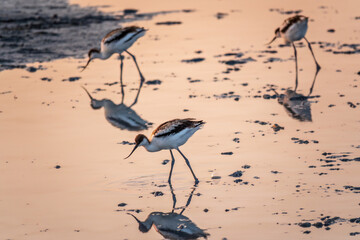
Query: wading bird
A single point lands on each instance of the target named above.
(118, 41)
(172, 225)
(170, 135)
(294, 29)
(119, 115)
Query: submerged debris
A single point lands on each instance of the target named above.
(153, 82)
(157, 193)
(236, 174)
(169, 23)
(193, 60)
(276, 127)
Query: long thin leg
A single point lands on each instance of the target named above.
(121, 81)
(173, 197)
(171, 169)
(188, 163)
(188, 201)
(296, 66)
(142, 79)
(313, 83)
(309, 45)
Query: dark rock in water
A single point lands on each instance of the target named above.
(165, 162)
(157, 193)
(241, 61)
(57, 166)
(351, 105)
(236, 54)
(133, 210)
(236, 174)
(72, 79)
(193, 60)
(269, 51)
(110, 84)
(31, 69)
(130, 11)
(276, 127)
(273, 59)
(330, 221)
(169, 23)
(194, 80)
(227, 153)
(153, 82)
(46, 79)
(122, 204)
(266, 96)
(220, 15)
(126, 143)
(216, 177)
(318, 224)
(355, 220)
(261, 122)
(305, 225)
(289, 12)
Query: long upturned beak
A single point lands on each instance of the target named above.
(271, 41)
(134, 217)
(136, 146)
(86, 64)
(87, 92)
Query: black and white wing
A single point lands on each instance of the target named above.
(291, 21)
(175, 126)
(122, 34)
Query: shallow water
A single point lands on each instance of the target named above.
(62, 167)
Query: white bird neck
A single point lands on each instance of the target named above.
(150, 146)
(101, 54)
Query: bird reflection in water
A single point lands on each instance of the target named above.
(297, 105)
(119, 115)
(171, 225)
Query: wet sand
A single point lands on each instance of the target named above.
(62, 167)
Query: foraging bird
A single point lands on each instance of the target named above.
(172, 225)
(170, 135)
(294, 29)
(119, 115)
(118, 41)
